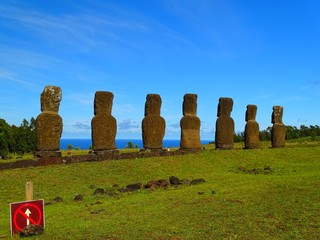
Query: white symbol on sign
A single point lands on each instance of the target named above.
(27, 212)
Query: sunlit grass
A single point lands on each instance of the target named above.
(237, 201)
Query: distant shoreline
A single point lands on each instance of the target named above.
(84, 144)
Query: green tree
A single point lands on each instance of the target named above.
(130, 145)
(24, 137)
(265, 135)
(70, 147)
(5, 138)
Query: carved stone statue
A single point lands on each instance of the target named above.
(251, 131)
(153, 125)
(49, 123)
(224, 125)
(190, 124)
(279, 130)
(103, 124)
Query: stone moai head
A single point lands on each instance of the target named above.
(153, 104)
(189, 105)
(277, 114)
(50, 99)
(225, 106)
(103, 102)
(251, 113)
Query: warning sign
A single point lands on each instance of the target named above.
(23, 214)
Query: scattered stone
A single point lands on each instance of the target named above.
(31, 230)
(185, 181)
(200, 193)
(163, 183)
(265, 170)
(58, 199)
(213, 192)
(174, 180)
(134, 187)
(242, 169)
(197, 181)
(99, 211)
(48, 203)
(99, 191)
(116, 186)
(153, 184)
(111, 192)
(78, 197)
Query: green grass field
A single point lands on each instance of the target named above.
(248, 194)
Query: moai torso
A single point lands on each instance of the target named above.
(279, 130)
(103, 124)
(153, 125)
(49, 123)
(224, 125)
(190, 124)
(251, 131)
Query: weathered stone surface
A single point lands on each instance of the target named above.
(251, 131)
(133, 187)
(224, 125)
(50, 99)
(154, 184)
(174, 180)
(49, 123)
(279, 130)
(153, 125)
(197, 181)
(190, 124)
(103, 124)
(31, 230)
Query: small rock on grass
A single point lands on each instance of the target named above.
(58, 199)
(197, 181)
(99, 191)
(78, 197)
(134, 187)
(174, 180)
(30, 230)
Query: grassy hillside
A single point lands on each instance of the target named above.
(248, 194)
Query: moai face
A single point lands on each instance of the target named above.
(50, 99)
(277, 114)
(251, 113)
(189, 104)
(103, 102)
(225, 107)
(153, 104)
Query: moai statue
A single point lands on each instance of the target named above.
(190, 124)
(103, 124)
(49, 123)
(153, 125)
(224, 125)
(251, 131)
(279, 130)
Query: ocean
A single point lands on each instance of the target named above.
(85, 144)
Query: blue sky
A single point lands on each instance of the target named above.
(256, 52)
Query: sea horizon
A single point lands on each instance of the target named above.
(84, 144)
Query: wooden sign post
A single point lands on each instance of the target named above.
(29, 191)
